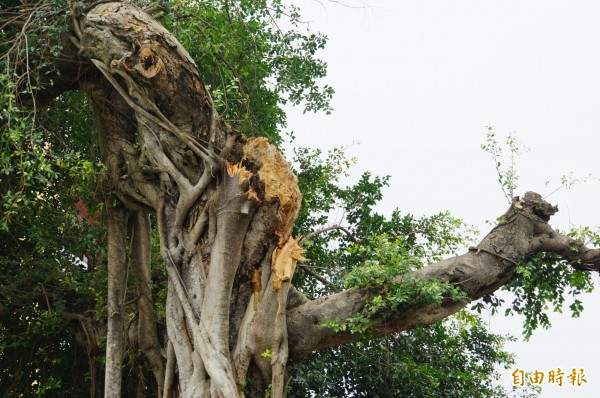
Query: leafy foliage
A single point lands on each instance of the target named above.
(31, 45)
(454, 358)
(510, 149)
(49, 253)
(390, 269)
(544, 284)
(251, 65)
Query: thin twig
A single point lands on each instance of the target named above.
(315, 275)
(331, 228)
(46, 297)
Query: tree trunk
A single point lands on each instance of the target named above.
(224, 207)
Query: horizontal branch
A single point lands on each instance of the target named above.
(523, 232)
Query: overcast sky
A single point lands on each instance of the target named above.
(417, 82)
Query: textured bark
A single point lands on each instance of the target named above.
(147, 335)
(224, 209)
(117, 274)
(222, 203)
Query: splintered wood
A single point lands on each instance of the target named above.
(284, 262)
(280, 182)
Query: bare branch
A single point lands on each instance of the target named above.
(312, 273)
(332, 228)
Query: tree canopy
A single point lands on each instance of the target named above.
(148, 234)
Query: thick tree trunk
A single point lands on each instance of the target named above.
(225, 207)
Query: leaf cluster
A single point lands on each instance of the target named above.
(254, 56)
(389, 268)
(458, 358)
(507, 151)
(31, 44)
(545, 283)
(50, 256)
(454, 358)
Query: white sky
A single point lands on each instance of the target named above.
(417, 82)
